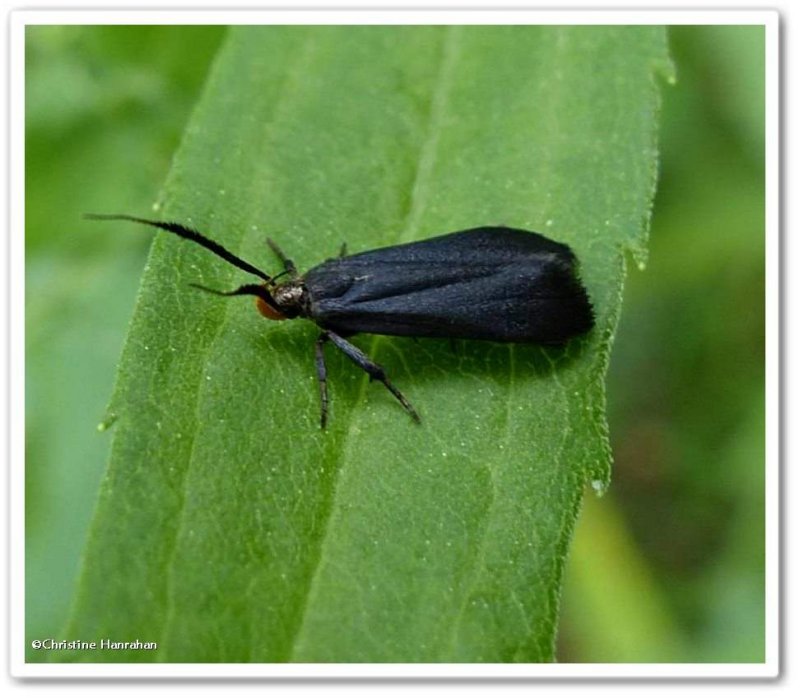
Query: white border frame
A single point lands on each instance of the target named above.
(20, 19)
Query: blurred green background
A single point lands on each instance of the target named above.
(669, 566)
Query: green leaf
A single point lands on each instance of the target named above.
(229, 527)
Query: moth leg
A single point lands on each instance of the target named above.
(343, 250)
(288, 265)
(375, 371)
(322, 377)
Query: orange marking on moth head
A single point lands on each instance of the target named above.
(268, 311)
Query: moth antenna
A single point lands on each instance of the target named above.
(269, 309)
(187, 234)
(246, 290)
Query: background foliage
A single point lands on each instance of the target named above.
(637, 590)
(669, 566)
(105, 108)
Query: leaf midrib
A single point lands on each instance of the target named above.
(425, 163)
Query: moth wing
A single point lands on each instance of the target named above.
(485, 245)
(486, 283)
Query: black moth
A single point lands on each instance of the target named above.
(491, 283)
